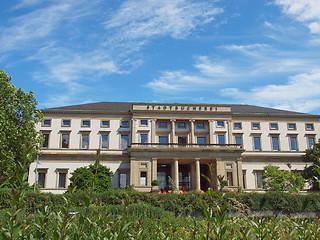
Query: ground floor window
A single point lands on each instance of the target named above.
(143, 178)
(41, 178)
(62, 178)
(258, 179)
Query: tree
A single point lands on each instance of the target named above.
(312, 172)
(95, 176)
(18, 116)
(279, 180)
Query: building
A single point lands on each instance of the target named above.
(173, 143)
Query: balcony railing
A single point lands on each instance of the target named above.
(185, 146)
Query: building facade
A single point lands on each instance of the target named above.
(173, 143)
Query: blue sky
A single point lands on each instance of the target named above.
(259, 52)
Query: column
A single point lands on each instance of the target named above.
(134, 172)
(197, 174)
(175, 179)
(153, 130)
(239, 172)
(154, 168)
(211, 138)
(229, 131)
(192, 140)
(220, 171)
(134, 133)
(173, 131)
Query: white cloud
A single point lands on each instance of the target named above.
(26, 30)
(306, 11)
(301, 93)
(139, 21)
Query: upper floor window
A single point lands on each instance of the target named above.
(46, 140)
(163, 139)
(238, 140)
(220, 123)
(273, 126)
(85, 123)
(163, 124)
(65, 140)
(105, 123)
(292, 126)
(275, 143)
(256, 143)
(310, 142)
(201, 140)
(124, 124)
(46, 123)
(255, 126)
(181, 124)
(124, 141)
(144, 122)
(104, 141)
(237, 126)
(85, 141)
(293, 143)
(200, 124)
(309, 126)
(143, 138)
(221, 139)
(66, 123)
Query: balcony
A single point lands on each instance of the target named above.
(183, 147)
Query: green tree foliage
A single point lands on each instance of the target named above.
(18, 116)
(312, 172)
(278, 180)
(96, 177)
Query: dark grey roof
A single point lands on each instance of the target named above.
(250, 109)
(100, 106)
(126, 106)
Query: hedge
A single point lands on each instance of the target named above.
(178, 203)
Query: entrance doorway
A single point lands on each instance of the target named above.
(163, 174)
(184, 177)
(204, 170)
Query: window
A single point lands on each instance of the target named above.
(201, 140)
(46, 123)
(275, 143)
(309, 126)
(62, 178)
(292, 126)
(123, 179)
(163, 139)
(229, 178)
(238, 140)
(258, 178)
(143, 138)
(66, 123)
(104, 141)
(310, 142)
(65, 140)
(162, 124)
(221, 139)
(144, 122)
(181, 124)
(237, 126)
(46, 140)
(244, 179)
(182, 140)
(256, 126)
(143, 178)
(273, 126)
(85, 141)
(220, 123)
(124, 141)
(293, 143)
(256, 143)
(105, 123)
(200, 125)
(41, 180)
(85, 123)
(124, 124)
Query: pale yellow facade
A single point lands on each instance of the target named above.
(173, 143)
